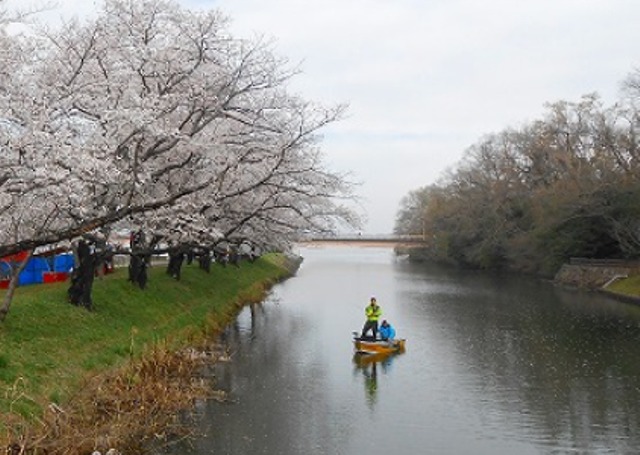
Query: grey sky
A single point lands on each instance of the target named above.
(427, 78)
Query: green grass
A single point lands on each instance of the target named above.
(48, 347)
(627, 286)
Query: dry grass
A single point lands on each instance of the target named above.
(129, 410)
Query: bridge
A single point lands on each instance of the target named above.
(367, 240)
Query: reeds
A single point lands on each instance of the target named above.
(144, 404)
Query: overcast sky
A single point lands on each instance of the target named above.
(425, 79)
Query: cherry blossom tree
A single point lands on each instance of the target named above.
(275, 189)
(13, 65)
(155, 109)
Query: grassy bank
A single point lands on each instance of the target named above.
(629, 287)
(50, 350)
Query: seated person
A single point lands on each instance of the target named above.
(387, 332)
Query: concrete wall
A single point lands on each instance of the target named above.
(592, 276)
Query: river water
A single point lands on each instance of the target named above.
(493, 365)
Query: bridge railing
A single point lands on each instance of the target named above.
(369, 238)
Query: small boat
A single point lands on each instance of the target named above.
(370, 346)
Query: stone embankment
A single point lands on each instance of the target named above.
(595, 274)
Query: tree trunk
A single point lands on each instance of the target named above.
(138, 270)
(204, 260)
(234, 256)
(13, 284)
(139, 259)
(174, 267)
(79, 292)
(190, 256)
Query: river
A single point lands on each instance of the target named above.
(494, 364)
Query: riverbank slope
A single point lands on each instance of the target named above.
(62, 368)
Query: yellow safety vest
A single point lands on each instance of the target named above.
(373, 312)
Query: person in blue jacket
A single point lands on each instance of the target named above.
(387, 332)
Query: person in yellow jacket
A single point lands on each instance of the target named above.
(373, 313)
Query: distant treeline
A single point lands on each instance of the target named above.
(529, 198)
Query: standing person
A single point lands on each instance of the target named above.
(387, 332)
(373, 313)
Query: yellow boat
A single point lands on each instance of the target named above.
(369, 346)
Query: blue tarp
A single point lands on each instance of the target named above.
(63, 263)
(30, 274)
(33, 272)
(5, 269)
(37, 265)
(28, 277)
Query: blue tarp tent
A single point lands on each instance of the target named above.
(36, 268)
(63, 262)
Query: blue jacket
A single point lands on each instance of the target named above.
(387, 333)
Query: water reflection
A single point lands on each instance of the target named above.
(367, 365)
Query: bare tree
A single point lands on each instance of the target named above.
(529, 198)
